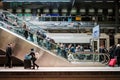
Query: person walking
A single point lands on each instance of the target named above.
(9, 55)
(33, 59)
(117, 54)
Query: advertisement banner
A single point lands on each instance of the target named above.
(96, 32)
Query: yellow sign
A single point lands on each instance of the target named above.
(78, 18)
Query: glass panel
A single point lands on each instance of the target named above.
(64, 10)
(55, 11)
(27, 10)
(10, 10)
(82, 10)
(46, 10)
(91, 10)
(54, 18)
(100, 10)
(73, 11)
(19, 10)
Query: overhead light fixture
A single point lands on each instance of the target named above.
(110, 1)
(36, 1)
(99, 1)
(88, 1)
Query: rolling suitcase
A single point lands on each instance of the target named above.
(112, 62)
(27, 64)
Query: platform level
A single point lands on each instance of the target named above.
(62, 69)
(61, 73)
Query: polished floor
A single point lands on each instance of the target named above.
(60, 69)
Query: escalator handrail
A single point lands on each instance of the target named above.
(28, 23)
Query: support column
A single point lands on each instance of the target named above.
(116, 15)
(105, 15)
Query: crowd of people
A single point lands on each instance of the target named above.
(65, 49)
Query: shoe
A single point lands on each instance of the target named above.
(37, 67)
(33, 68)
(10, 66)
(5, 66)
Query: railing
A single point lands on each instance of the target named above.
(89, 57)
(16, 21)
(49, 44)
(58, 24)
(63, 25)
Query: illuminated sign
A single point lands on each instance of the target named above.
(78, 18)
(36, 0)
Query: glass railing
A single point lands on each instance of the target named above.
(64, 24)
(47, 43)
(16, 21)
(89, 57)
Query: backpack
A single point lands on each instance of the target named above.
(28, 57)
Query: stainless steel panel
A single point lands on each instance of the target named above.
(22, 47)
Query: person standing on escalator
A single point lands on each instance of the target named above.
(25, 31)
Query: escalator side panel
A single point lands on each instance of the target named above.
(22, 47)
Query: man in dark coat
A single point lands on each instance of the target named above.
(9, 56)
(117, 54)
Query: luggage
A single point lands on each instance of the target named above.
(27, 64)
(112, 62)
(28, 57)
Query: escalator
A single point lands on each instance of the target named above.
(47, 49)
(23, 46)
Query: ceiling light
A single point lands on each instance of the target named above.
(110, 1)
(88, 1)
(36, 0)
(99, 1)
